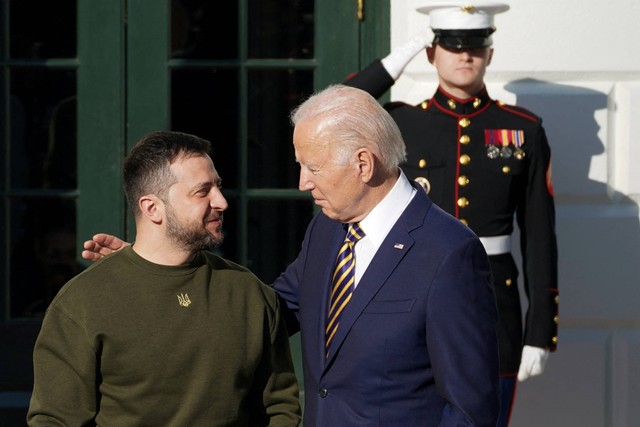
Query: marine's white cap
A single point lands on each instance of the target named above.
(471, 15)
(461, 25)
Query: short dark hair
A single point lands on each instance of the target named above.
(146, 169)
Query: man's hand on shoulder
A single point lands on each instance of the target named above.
(101, 245)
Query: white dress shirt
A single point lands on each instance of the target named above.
(377, 224)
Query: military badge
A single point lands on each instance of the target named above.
(493, 152)
(424, 183)
(504, 143)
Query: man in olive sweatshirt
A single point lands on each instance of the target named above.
(164, 332)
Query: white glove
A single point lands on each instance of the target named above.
(399, 57)
(532, 362)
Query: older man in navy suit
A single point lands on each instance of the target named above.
(415, 342)
(392, 295)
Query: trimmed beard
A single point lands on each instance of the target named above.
(189, 237)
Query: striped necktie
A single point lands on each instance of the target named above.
(342, 282)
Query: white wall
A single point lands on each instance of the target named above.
(576, 63)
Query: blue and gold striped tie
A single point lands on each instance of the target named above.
(343, 280)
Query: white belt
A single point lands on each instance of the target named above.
(496, 245)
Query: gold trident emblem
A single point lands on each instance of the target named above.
(468, 9)
(183, 300)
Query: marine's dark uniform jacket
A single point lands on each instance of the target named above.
(484, 161)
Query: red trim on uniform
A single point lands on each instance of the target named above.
(453, 113)
(513, 396)
(480, 110)
(505, 107)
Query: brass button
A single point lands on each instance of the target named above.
(465, 159)
(464, 122)
(463, 202)
(424, 105)
(463, 180)
(557, 299)
(422, 163)
(556, 319)
(554, 340)
(507, 282)
(506, 169)
(452, 104)
(465, 139)
(464, 221)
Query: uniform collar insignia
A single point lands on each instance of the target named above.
(461, 107)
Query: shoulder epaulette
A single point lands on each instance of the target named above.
(518, 110)
(424, 104)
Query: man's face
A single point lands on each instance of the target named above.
(461, 72)
(336, 188)
(195, 204)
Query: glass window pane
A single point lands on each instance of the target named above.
(204, 29)
(42, 252)
(204, 102)
(42, 29)
(43, 128)
(276, 230)
(272, 96)
(281, 29)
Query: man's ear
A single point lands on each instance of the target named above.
(152, 208)
(490, 56)
(366, 163)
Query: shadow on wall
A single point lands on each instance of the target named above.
(597, 227)
(599, 266)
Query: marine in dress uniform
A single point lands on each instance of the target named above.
(485, 162)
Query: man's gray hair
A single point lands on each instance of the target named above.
(350, 119)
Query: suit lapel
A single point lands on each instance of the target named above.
(331, 241)
(395, 246)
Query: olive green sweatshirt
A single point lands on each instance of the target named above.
(132, 343)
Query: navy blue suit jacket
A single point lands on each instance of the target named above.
(416, 345)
